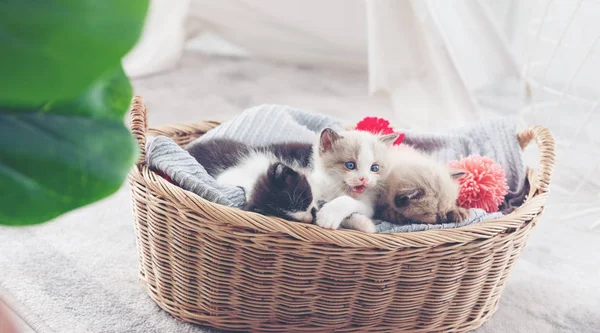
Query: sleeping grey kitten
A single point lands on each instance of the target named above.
(347, 170)
(273, 177)
(419, 189)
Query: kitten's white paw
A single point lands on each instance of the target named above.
(360, 222)
(328, 218)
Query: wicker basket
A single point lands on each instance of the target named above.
(218, 266)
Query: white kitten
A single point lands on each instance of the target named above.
(347, 169)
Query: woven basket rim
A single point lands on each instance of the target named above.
(532, 207)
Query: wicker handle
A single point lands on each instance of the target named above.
(139, 125)
(545, 143)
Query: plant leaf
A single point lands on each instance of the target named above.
(109, 97)
(53, 163)
(66, 154)
(54, 49)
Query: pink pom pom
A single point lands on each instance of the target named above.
(484, 184)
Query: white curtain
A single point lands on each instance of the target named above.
(429, 56)
(418, 53)
(162, 40)
(405, 63)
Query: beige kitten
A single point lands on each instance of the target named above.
(347, 171)
(419, 188)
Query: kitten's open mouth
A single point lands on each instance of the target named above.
(358, 189)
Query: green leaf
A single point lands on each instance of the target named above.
(53, 163)
(108, 97)
(66, 154)
(54, 49)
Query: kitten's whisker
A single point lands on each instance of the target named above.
(294, 194)
(339, 192)
(303, 201)
(289, 196)
(301, 194)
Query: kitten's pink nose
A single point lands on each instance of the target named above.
(362, 179)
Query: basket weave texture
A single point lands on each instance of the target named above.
(218, 266)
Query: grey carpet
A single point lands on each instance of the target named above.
(79, 273)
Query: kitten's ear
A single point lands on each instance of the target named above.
(278, 170)
(457, 173)
(414, 193)
(389, 139)
(328, 138)
(280, 173)
(401, 199)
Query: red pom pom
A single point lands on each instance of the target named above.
(374, 125)
(378, 126)
(399, 140)
(484, 184)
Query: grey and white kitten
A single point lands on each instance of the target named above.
(419, 189)
(347, 171)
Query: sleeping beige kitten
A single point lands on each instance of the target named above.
(418, 188)
(347, 169)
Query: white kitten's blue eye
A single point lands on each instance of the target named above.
(350, 165)
(375, 168)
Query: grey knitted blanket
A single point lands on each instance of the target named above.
(163, 154)
(265, 124)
